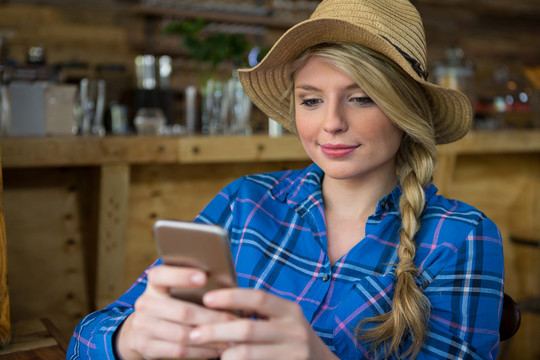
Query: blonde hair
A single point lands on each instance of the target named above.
(405, 102)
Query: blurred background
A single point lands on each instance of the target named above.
(114, 113)
(487, 48)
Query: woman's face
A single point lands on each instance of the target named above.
(341, 128)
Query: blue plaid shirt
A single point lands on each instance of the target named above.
(277, 227)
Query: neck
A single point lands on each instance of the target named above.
(356, 198)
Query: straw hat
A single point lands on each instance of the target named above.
(391, 27)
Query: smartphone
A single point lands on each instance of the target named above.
(201, 246)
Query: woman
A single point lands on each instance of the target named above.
(355, 256)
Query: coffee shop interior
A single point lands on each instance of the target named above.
(117, 113)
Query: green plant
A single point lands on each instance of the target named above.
(210, 48)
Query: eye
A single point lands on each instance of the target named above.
(310, 102)
(361, 100)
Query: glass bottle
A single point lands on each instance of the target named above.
(455, 72)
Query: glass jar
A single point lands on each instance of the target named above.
(456, 73)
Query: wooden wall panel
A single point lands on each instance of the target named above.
(507, 189)
(46, 271)
(81, 35)
(524, 222)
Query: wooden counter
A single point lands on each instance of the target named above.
(95, 151)
(79, 210)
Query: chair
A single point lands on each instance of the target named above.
(510, 318)
(530, 304)
(512, 311)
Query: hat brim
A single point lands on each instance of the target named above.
(266, 83)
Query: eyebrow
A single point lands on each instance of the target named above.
(314, 88)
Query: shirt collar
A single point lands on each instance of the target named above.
(307, 182)
(297, 188)
(390, 202)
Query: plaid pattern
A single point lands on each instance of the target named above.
(278, 239)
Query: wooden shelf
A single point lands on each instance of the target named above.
(495, 142)
(246, 19)
(517, 8)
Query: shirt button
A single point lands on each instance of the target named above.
(326, 277)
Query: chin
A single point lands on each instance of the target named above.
(340, 174)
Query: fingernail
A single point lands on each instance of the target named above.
(195, 335)
(209, 299)
(197, 278)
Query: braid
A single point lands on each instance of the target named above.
(410, 307)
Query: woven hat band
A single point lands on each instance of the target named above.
(414, 63)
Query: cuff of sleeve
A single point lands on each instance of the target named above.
(110, 336)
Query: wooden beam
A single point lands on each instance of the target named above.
(492, 7)
(494, 142)
(240, 149)
(28, 335)
(113, 198)
(91, 151)
(218, 16)
(87, 151)
(442, 178)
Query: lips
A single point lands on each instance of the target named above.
(338, 150)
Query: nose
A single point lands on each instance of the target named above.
(335, 119)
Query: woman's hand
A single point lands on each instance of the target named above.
(160, 325)
(279, 330)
